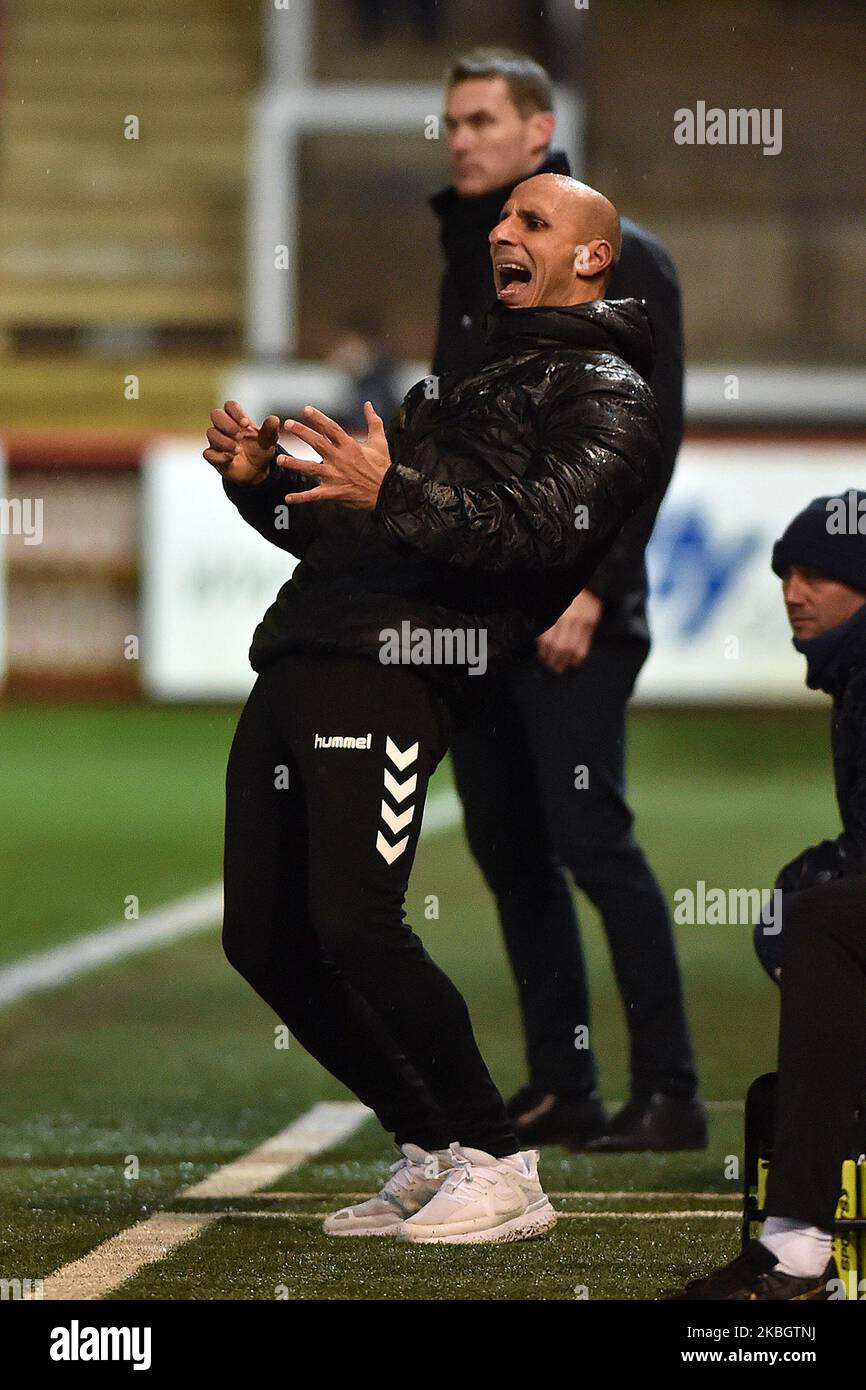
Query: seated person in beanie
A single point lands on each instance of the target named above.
(821, 560)
(819, 956)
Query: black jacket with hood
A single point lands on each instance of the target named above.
(644, 271)
(837, 665)
(507, 488)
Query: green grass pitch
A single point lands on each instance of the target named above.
(169, 1056)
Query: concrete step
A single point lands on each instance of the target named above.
(213, 191)
(145, 302)
(100, 262)
(27, 225)
(128, 76)
(41, 115)
(107, 11)
(151, 31)
(192, 154)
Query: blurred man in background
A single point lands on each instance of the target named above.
(361, 352)
(539, 758)
(819, 957)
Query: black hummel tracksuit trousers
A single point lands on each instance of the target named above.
(325, 792)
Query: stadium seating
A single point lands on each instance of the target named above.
(98, 230)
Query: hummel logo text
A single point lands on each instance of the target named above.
(342, 741)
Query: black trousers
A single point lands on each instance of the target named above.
(822, 1048)
(539, 761)
(320, 839)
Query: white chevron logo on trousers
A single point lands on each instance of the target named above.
(394, 822)
(390, 852)
(400, 790)
(397, 821)
(401, 759)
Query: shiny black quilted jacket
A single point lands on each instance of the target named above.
(507, 487)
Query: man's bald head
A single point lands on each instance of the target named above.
(557, 242)
(594, 216)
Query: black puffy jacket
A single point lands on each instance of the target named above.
(479, 522)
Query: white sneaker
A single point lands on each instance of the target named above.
(416, 1177)
(484, 1199)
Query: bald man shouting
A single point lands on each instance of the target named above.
(451, 540)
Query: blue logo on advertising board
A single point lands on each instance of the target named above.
(690, 567)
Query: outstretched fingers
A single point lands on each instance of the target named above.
(311, 467)
(325, 425)
(375, 423)
(237, 413)
(323, 493)
(316, 441)
(267, 435)
(218, 457)
(218, 439)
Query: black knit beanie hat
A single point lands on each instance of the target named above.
(826, 537)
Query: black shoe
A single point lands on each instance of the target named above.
(666, 1124)
(752, 1276)
(540, 1117)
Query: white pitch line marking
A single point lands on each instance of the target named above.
(563, 1216)
(715, 1212)
(184, 917)
(121, 1257)
(322, 1127)
(564, 1196)
(651, 1196)
(48, 969)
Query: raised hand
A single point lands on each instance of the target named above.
(349, 472)
(240, 450)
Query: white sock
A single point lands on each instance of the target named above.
(801, 1250)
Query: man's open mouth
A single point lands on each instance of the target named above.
(511, 273)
